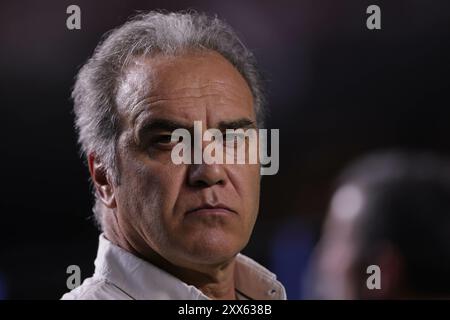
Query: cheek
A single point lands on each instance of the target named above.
(149, 190)
(246, 179)
(138, 195)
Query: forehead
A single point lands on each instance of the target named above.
(188, 85)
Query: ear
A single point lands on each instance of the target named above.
(102, 181)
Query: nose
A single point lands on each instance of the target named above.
(206, 175)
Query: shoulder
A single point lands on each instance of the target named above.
(96, 289)
(257, 282)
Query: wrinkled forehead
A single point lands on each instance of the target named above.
(189, 75)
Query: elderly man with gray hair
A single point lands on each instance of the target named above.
(170, 231)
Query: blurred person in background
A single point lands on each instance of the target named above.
(391, 210)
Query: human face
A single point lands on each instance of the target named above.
(156, 199)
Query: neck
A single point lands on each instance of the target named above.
(215, 281)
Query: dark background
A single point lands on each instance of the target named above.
(337, 91)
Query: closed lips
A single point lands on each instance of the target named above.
(210, 208)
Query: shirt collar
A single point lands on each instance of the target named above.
(142, 280)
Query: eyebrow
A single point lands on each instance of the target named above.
(163, 125)
(171, 125)
(243, 123)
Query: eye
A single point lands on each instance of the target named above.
(163, 141)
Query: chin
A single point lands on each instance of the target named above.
(215, 249)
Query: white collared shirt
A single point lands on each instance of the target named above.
(120, 275)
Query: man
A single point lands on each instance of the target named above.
(171, 231)
(387, 235)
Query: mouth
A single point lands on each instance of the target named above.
(208, 209)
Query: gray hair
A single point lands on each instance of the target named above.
(97, 83)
